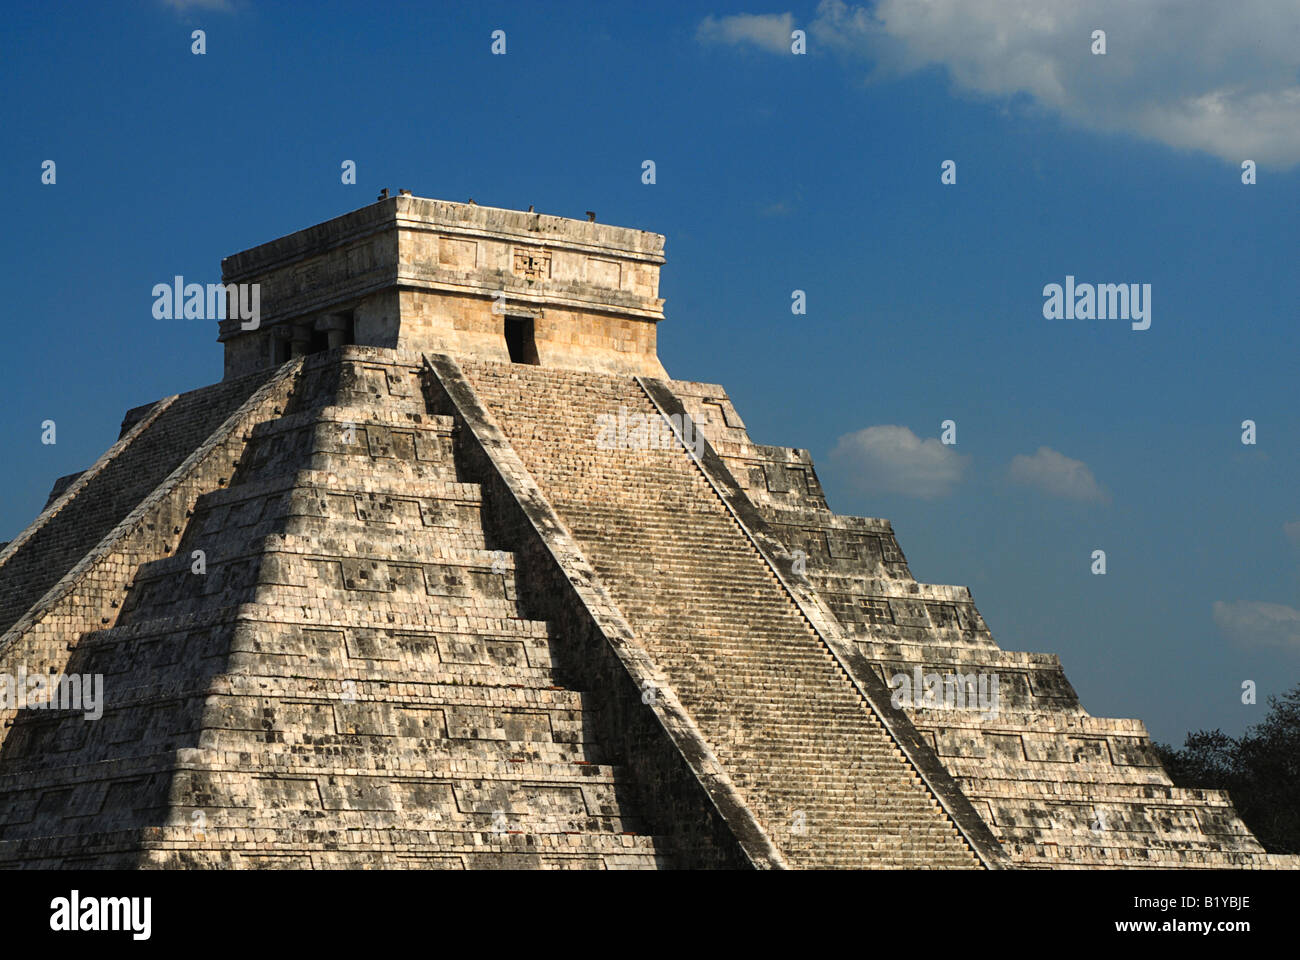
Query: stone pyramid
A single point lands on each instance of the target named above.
(447, 572)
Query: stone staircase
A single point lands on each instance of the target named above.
(808, 754)
(1057, 786)
(350, 682)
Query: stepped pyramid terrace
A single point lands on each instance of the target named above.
(418, 585)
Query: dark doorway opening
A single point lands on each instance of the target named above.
(519, 340)
(349, 333)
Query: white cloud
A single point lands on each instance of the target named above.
(769, 31)
(1251, 623)
(1057, 475)
(893, 459)
(1215, 77)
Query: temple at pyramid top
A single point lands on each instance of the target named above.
(456, 278)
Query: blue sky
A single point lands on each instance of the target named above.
(775, 172)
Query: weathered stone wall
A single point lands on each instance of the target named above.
(468, 326)
(419, 274)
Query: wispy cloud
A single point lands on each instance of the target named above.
(767, 31)
(893, 459)
(1057, 475)
(1252, 623)
(1292, 531)
(1221, 78)
(184, 6)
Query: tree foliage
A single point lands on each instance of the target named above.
(1260, 769)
